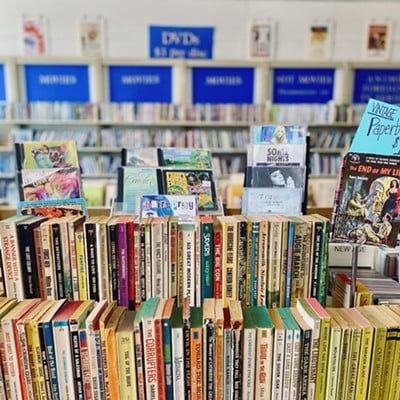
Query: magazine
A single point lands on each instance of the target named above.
(366, 208)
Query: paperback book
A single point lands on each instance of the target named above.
(367, 198)
(53, 208)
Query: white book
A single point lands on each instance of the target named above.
(249, 355)
(188, 256)
(178, 368)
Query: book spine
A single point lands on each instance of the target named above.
(316, 260)
(305, 364)
(274, 264)
(91, 261)
(296, 366)
(65, 252)
(131, 265)
(58, 262)
(172, 262)
(219, 357)
(298, 257)
(218, 263)
(249, 346)
(95, 363)
(28, 261)
(76, 360)
(254, 263)
(237, 374)
(45, 363)
(147, 259)
(209, 363)
(186, 358)
(85, 366)
(323, 354)
(289, 264)
(228, 364)
(51, 356)
(242, 260)
(122, 262)
(139, 355)
(41, 279)
(136, 277)
(264, 354)
(229, 262)
(112, 260)
(10, 258)
(196, 364)
(178, 369)
(167, 351)
(353, 366)
(188, 254)
(157, 259)
(323, 269)
(73, 261)
(81, 263)
(102, 257)
(333, 364)
(143, 290)
(364, 363)
(287, 363)
(35, 357)
(278, 368)
(262, 265)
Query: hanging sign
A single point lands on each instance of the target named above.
(181, 42)
(380, 84)
(222, 85)
(140, 84)
(57, 83)
(303, 85)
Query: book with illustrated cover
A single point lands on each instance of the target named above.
(366, 202)
(194, 182)
(378, 130)
(276, 154)
(275, 176)
(139, 156)
(134, 182)
(278, 134)
(49, 184)
(258, 201)
(185, 157)
(44, 155)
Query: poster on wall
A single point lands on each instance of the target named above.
(91, 37)
(319, 41)
(35, 35)
(377, 40)
(262, 38)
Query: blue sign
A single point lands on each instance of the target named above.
(140, 84)
(222, 85)
(57, 83)
(379, 84)
(181, 42)
(303, 85)
(2, 84)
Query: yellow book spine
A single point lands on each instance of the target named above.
(274, 264)
(323, 354)
(353, 365)
(333, 363)
(390, 348)
(367, 340)
(126, 365)
(395, 378)
(81, 264)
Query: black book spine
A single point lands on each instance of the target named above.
(76, 359)
(58, 263)
(90, 232)
(45, 362)
(305, 364)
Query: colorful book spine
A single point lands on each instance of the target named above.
(122, 262)
(207, 255)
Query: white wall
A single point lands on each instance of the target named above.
(128, 21)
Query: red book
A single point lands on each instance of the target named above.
(217, 260)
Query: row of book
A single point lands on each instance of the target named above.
(133, 112)
(59, 253)
(95, 350)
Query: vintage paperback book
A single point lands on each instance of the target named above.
(366, 207)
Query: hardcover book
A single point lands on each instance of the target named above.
(366, 206)
(44, 155)
(192, 182)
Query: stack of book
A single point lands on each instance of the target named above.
(275, 179)
(87, 349)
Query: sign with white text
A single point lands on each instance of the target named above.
(381, 84)
(57, 83)
(303, 85)
(222, 85)
(181, 42)
(140, 84)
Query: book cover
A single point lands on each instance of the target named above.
(49, 184)
(271, 201)
(278, 134)
(193, 182)
(180, 157)
(365, 210)
(43, 155)
(134, 182)
(207, 256)
(139, 156)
